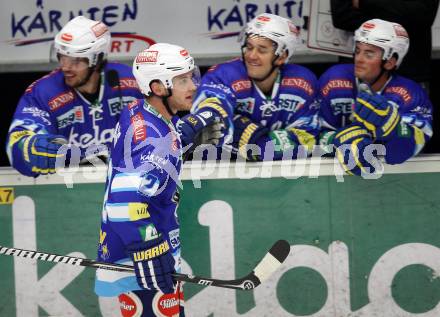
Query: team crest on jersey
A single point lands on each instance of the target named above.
(61, 100)
(246, 105)
(268, 108)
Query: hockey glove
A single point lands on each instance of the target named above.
(153, 264)
(40, 152)
(350, 143)
(247, 132)
(379, 117)
(326, 140)
(202, 127)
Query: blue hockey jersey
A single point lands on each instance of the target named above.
(141, 193)
(337, 95)
(291, 103)
(49, 106)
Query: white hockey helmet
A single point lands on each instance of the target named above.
(280, 30)
(161, 61)
(82, 37)
(389, 36)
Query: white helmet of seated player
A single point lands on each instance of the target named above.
(84, 38)
(280, 30)
(391, 37)
(163, 62)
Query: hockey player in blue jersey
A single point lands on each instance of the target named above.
(368, 104)
(267, 105)
(139, 219)
(79, 103)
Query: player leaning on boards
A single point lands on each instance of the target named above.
(368, 103)
(263, 100)
(139, 220)
(78, 103)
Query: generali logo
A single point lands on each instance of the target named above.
(241, 84)
(61, 100)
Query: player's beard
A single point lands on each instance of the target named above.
(78, 80)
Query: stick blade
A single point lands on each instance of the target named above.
(272, 260)
(280, 250)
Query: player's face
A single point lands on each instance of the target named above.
(75, 70)
(258, 53)
(184, 87)
(367, 61)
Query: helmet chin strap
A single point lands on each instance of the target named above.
(166, 103)
(272, 69)
(100, 63)
(382, 71)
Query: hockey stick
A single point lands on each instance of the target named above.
(269, 264)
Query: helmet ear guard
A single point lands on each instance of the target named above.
(391, 37)
(281, 31)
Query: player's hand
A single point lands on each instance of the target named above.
(153, 264)
(41, 151)
(350, 143)
(379, 116)
(195, 128)
(246, 132)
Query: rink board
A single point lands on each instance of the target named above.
(359, 247)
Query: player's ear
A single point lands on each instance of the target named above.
(158, 88)
(390, 64)
(281, 59)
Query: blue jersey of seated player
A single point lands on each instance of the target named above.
(291, 103)
(141, 193)
(337, 95)
(49, 106)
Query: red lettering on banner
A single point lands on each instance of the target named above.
(336, 84)
(241, 84)
(140, 131)
(401, 91)
(61, 100)
(298, 83)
